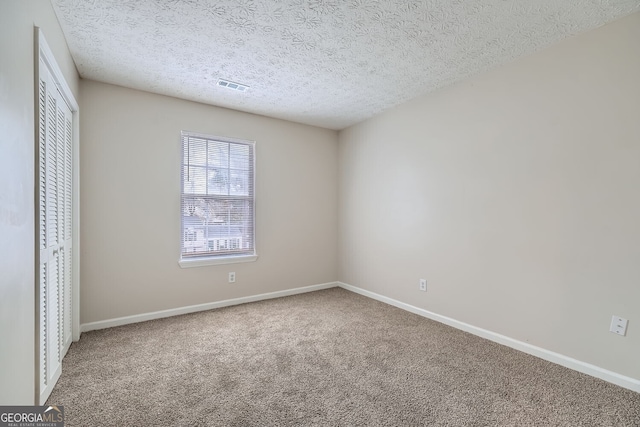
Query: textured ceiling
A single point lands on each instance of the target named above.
(329, 63)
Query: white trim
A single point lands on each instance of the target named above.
(49, 59)
(47, 56)
(119, 321)
(44, 53)
(568, 362)
(202, 262)
(560, 359)
(75, 216)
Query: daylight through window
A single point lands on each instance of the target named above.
(217, 197)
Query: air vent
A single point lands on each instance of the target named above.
(232, 85)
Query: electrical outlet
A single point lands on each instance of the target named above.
(232, 277)
(423, 285)
(618, 325)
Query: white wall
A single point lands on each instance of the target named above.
(515, 193)
(130, 204)
(17, 313)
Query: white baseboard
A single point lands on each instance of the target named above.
(119, 321)
(568, 362)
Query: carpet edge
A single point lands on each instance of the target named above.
(548, 355)
(143, 317)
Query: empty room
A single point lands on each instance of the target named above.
(320, 212)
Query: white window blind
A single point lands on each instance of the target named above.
(217, 202)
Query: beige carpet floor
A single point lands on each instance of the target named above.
(326, 358)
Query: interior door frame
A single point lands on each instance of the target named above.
(44, 53)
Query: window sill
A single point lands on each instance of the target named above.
(203, 262)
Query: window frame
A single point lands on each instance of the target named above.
(211, 259)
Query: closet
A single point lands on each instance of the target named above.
(54, 221)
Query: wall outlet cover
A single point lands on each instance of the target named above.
(618, 325)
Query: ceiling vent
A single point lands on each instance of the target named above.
(232, 85)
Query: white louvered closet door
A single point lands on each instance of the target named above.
(55, 191)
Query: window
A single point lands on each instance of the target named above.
(217, 203)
